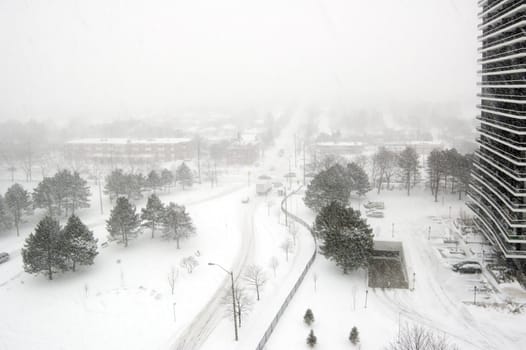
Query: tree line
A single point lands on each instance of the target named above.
(131, 185)
(62, 194)
(172, 220)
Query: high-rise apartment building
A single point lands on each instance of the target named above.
(498, 184)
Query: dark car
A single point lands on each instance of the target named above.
(467, 267)
(4, 257)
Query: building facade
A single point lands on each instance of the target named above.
(121, 150)
(497, 194)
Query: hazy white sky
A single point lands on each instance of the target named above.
(129, 58)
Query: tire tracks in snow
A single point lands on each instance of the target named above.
(198, 331)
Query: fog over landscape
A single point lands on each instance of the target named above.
(126, 59)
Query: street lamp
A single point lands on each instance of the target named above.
(233, 295)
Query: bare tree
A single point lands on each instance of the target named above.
(243, 302)
(256, 277)
(173, 275)
(416, 337)
(287, 248)
(274, 263)
(189, 263)
(384, 164)
(293, 230)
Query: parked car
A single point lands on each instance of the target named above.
(4, 257)
(245, 200)
(374, 214)
(374, 205)
(467, 267)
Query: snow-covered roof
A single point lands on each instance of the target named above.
(122, 141)
(339, 144)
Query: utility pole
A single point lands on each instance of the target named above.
(429, 233)
(414, 280)
(295, 153)
(286, 209)
(289, 175)
(303, 163)
(231, 273)
(100, 194)
(475, 295)
(199, 158)
(366, 292)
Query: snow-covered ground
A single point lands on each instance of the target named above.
(124, 300)
(440, 300)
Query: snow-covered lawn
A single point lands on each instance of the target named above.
(124, 300)
(440, 299)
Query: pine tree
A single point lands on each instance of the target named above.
(311, 339)
(308, 318)
(79, 243)
(167, 179)
(62, 183)
(346, 237)
(153, 181)
(6, 220)
(44, 196)
(354, 337)
(359, 179)
(152, 215)
(18, 203)
(123, 222)
(177, 223)
(184, 175)
(44, 251)
(328, 186)
(77, 192)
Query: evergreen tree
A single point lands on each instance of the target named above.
(311, 339)
(167, 179)
(44, 196)
(18, 204)
(62, 183)
(177, 223)
(77, 192)
(44, 251)
(124, 221)
(308, 318)
(79, 243)
(359, 179)
(152, 215)
(408, 164)
(354, 337)
(115, 184)
(328, 186)
(153, 181)
(184, 175)
(346, 237)
(6, 220)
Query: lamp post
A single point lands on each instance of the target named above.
(233, 296)
(475, 295)
(366, 292)
(429, 233)
(173, 306)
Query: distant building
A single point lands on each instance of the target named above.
(421, 147)
(243, 152)
(497, 194)
(120, 150)
(339, 148)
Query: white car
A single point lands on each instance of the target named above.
(245, 200)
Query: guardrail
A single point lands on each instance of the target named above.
(275, 320)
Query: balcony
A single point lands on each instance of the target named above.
(512, 113)
(507, 25)
(496, 213)
(516, 173)
(507, 55)
(514, 201)
(515, 127)
(512, 156)
(507, 8)
(492, 234)
(508, 141)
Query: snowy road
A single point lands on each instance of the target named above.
(195, 334)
